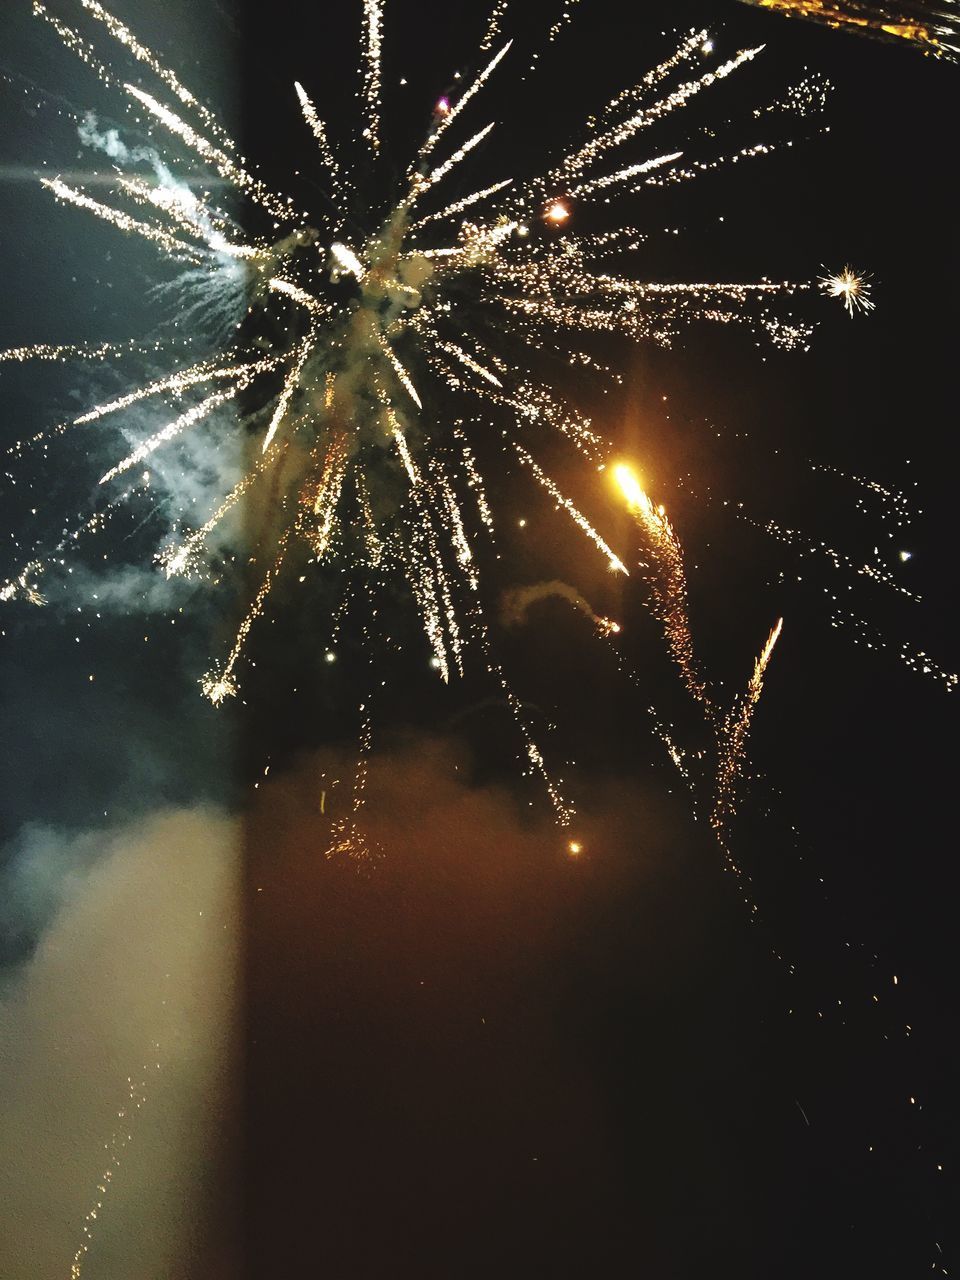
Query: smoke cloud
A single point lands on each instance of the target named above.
(135, 979)
(429, 1088)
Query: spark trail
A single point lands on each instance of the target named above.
(733, 738)
(668, 583)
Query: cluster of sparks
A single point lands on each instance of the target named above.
(667, 580)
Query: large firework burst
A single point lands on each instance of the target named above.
(394, 350)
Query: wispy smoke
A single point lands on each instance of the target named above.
(209, 299)
(111, 144)
(517, 602)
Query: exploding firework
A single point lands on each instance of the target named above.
(933, 28)
(378, 386)
(120, 1138)
(851, 287)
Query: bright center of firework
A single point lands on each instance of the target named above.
(574, 848)
(629, 485)
(557, 212)
(851, 287)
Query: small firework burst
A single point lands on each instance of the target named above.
(853, 287)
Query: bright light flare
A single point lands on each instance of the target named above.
(630, 486)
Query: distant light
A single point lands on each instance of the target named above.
(329, 656)
(435, 663)
(522, 523)
(442, 108)
(523, 229)
(557, 212)
(906, 555)
(574, 848)
(707, 46)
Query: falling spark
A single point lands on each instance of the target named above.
(319, 131)
(616, 564)
(347, 838)
(667, 580)
(733, 737)
(494, 24)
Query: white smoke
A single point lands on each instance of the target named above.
(134, 978)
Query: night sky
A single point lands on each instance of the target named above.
(471, 1054)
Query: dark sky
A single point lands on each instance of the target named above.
(473, 1055)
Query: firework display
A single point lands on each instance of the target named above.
(370, 416)
(375, 361)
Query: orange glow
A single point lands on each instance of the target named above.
(557, 212)
(574, 848)
(630, 486)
